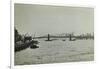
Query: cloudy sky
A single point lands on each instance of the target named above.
(43, 19)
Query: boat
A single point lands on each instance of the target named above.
(34, 46)
(22, 46)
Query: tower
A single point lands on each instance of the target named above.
(48, 37)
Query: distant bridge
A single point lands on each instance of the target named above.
(50, 36)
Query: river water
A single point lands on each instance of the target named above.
(56, 51)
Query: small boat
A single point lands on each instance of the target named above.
(34, 46)
(63, 40)
(73, 40)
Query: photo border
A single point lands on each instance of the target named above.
(73, 4)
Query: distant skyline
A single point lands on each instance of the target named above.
(44, 19)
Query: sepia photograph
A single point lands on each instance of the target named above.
(46, 34)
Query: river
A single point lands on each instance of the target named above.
(56, 51)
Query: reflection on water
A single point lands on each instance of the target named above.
(56, 51)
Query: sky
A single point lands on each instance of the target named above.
(44, 19)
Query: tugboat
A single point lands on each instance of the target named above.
(24, 42)
(34, 45)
